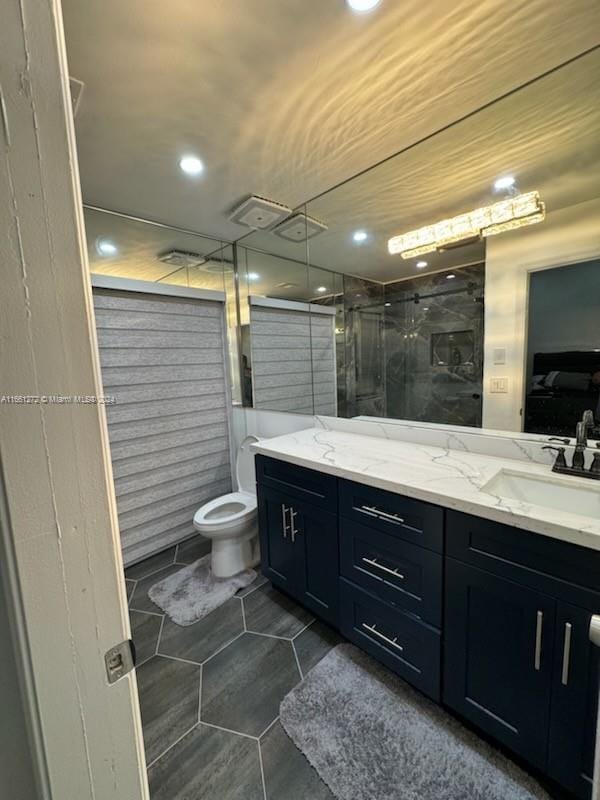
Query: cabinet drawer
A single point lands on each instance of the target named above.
(408, 647)
(393, 570)
(306, 484)
(411, 520)
(561, 569)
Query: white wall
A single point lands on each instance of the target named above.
(566, 236)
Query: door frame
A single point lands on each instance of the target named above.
(64, 571)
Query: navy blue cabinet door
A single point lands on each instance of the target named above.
(316, 534)
(574, 702)
(499, 639)
(279, 555)
(299, 550)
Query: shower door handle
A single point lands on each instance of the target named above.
(284, 522)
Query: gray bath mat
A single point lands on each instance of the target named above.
(369, 735)
(192, 593)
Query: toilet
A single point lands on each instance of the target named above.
(231, 522)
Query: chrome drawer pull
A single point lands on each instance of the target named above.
(566, 654)
(393, 642)
(373, 563)
(295, 531)
(381, 514)
(284, 523)
(537, 660)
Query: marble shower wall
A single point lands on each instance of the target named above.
(360, 359)
(434, 348)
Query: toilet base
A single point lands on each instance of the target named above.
(230, 556)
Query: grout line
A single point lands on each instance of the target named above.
(162, 624)
(182, 660)
(306, 627)
(298, 662)
(150, 613)
(229, 730)
(150, 574)
(262, 769)
(273, 636)
(241, 599)
(268, 728)
(171, 746)
(255, 589)
(200, 694)
(220, 650)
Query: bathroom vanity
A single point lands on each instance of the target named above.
(480, 601)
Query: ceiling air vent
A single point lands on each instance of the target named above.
(299, 228)
(259, 213)
(181, 258)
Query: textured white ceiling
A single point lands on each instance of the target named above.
(286, 98)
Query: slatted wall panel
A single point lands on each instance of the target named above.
(163, 360)
(291, 351)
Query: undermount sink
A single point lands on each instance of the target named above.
(552, 492)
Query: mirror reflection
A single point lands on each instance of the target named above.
(491, 323)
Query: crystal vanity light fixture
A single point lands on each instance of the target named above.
(506, 215)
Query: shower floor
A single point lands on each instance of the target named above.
(210, 692)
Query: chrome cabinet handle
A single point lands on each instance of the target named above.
(381, 514)
(537, 661)
(393, 642)
(373, 562)
(284, 523)
(295, 531)
(566, 654)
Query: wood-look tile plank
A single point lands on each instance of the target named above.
(208, 764)
(288, 775)
(169, 693)
(150, 565)
(270, 611)
(314, 643)
(144, 630)
(140, 600)
(243, 685)
(203, 639)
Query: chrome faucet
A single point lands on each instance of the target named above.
(581, 442)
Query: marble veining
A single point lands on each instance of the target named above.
(446, 476)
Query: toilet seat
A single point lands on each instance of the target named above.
(225, 511)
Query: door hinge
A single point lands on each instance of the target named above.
(120, 660)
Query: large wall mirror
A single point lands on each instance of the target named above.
(491, 320)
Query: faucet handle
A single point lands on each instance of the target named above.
(564, 441)
(561, 461)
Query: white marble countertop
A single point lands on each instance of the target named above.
(449, 478)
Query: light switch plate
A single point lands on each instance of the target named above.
(499, 385)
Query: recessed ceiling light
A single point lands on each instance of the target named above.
(321, 288)
(363, 5)
(106, 248)
(387, 305)
(506, 182)
(360, 236)
(191, 165)
(421, 264)
(450, 276)
(253, 276)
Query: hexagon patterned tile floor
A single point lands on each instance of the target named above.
(169, 695)
(240, 661)
(243, 685)
(269, 611)
(206, 764)
(203, 639)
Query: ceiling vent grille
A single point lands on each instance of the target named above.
(259, 213)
